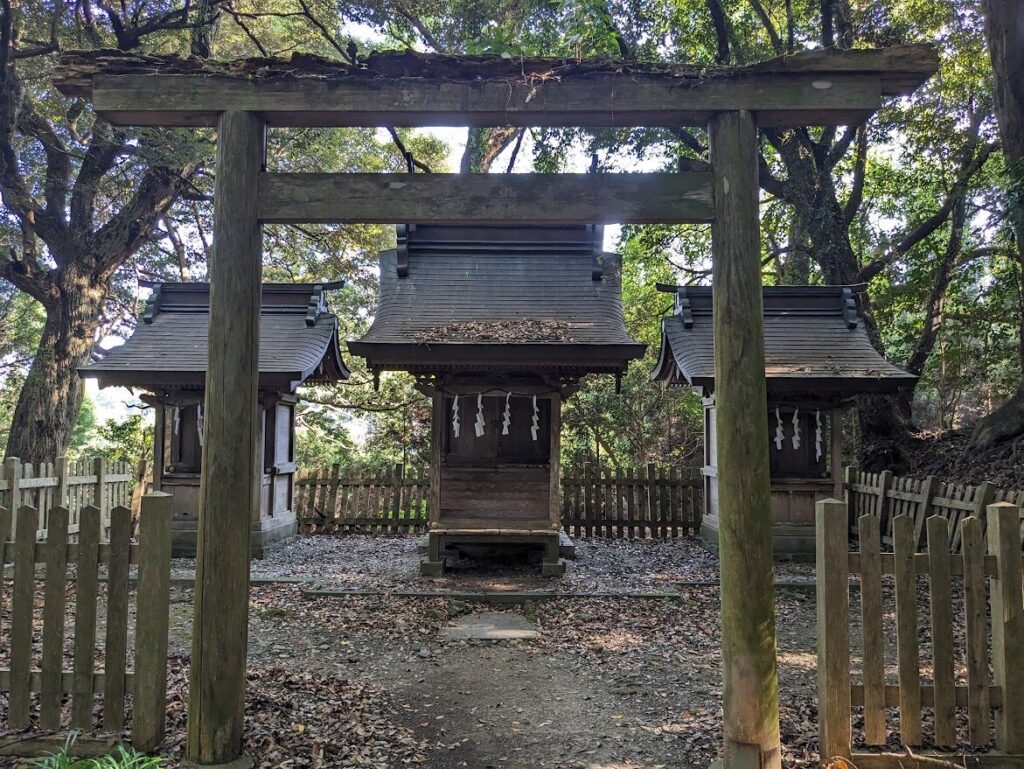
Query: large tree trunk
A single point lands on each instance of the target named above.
(1004, 28)
(820, 218)
(48, 404)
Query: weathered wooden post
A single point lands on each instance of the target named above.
(150, 706)
(833, 610)
(751, 699)
(228, 491)
(1007, 624)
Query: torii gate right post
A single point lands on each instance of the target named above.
(826, 88)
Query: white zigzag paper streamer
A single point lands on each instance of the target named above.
(456, 422)
(796, 429)
(780, 434)
(536, 419)
(478, 425)
(507, 418)
(817, 435)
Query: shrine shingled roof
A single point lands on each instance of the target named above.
(298, 340)
(814, 340)
(496, 296)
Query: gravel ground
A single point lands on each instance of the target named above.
(386, 562)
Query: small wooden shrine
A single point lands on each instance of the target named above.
(817, 359)
(167, 355)
(497, 324)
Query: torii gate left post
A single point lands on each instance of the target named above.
(228, 489)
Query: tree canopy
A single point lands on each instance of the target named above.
(915, 204)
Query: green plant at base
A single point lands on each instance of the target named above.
(122, 758)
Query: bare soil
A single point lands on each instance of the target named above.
(623, 682)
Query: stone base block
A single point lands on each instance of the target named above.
(791, 543)
(553, 568)
(430, 568)
(264, 537)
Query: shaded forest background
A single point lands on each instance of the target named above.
(921, 204)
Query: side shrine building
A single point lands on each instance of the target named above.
(817, 359)
(167, 358)
(498, 324)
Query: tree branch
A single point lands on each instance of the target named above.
(859, 168)
(409, 157)
(766, 22)
(133, 224)
(420, 27)
(933, 222)
(718, 21)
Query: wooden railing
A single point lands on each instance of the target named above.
(635, 502)
(66, 483)
(997, 699)
(146, 682)
(886, 496)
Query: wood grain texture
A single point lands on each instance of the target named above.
(1007, 600)
(437, 428)
(609, 100)
(116, 641)
(833, 609)
(55, 596)
(744, 497)
(871, 627)
(86, 584)
(975, 611)
(506, 199)
(21, 617)
(555, 461)
(907, 659)
(152, 618)
(229, 498)
(941, 608)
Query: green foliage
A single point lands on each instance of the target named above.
(122, 758)
(86, 430)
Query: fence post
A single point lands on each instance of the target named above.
(588, 498)
(396, 497)
(99, 493)
(150, 701)
(833, 608)
(982, 499)
(21, 618)
(12, 474)
(885, 485)
(652, 498)
(928, 490)
(1004, 542)
(60, 469)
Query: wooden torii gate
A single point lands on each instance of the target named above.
(824, 88)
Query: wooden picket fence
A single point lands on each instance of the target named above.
(66, 483)
(146, 683)
(886, 496)
(644, 502)
(634, 502)
(997, 701)
(393, 500)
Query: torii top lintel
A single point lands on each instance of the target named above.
(825, 87)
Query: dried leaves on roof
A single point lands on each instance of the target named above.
(515, 331)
